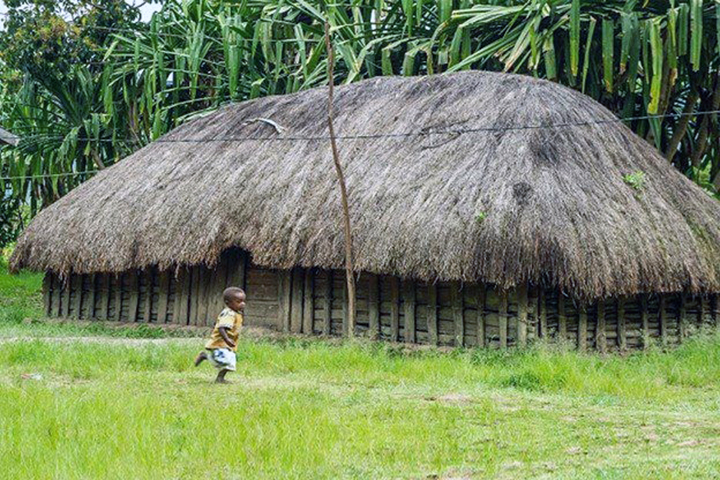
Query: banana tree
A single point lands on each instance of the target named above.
(64, 134)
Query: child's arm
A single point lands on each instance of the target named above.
(224, 335)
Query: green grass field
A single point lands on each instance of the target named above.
(92, 402)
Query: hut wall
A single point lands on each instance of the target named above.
(313, 301)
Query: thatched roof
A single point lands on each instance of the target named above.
(546, 205)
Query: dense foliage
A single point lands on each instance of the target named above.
(85, 83)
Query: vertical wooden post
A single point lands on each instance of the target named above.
(328, 299)
(542, 308)
(77, 285)
(204, 316)
(562, 319)
(456, 302)
(682, 316)
(57, 296)
(349, 290)
(66, 295)
(503, 317)
(182, 297)
(134, 291)
(104, 289)
(432, 316)
(374, 306)
(47, 293)
(309, 302)
(714, 304)
(394, 309)
(93, 295)
(296, 305)
(237, 267)
(582, 327)
(522, 314)
(218, 284)
(481, 314)
(409, 305)
(600, 338)
(284, 292)
(194, 294)
(52, 297)
(147, 308)
(208, 298)
(163, 296)
(345, 312)
(621, 324)
(663, 319)
(119, 297)
(704, 314)
(644, 320)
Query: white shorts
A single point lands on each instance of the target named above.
(223, 358)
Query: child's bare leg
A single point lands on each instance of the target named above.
(221, 376)
(201, 357)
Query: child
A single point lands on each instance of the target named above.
(220, 349)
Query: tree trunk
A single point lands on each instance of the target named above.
(681, 127)
(343, 189)
(702, 139)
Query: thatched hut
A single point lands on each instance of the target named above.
(488, 209)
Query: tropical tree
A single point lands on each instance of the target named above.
(52, 94)
(653, 62)
(657, 58)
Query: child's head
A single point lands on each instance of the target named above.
(234, 298)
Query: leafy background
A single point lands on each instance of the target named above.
(86, 83)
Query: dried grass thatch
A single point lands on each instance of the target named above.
(549, 205)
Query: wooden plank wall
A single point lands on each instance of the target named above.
(312, 301)
(188, 296)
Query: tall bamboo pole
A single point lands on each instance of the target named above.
(343, 189)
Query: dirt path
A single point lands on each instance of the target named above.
(104, 340)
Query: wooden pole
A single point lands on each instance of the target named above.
(374, 306)
(47, 293)
(503, 318)
(327, 307)
(163, 293)
(409, 304)
(600, 339)
(562, 319)
(394, 309)
(432, 318)
(682, 316)
(481, 315)
(119, 297)
(77, 284)
(582, 327)
(522, 315)
(309, 302)
(57, 296)
(621, 324)
(67, 286)
(456, 300)
(343, 190)
(663, 320)
(104, 296)
(645, 320)
(284, 291)
(147, 308)
(296, 300)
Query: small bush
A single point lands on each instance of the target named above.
(636, 180)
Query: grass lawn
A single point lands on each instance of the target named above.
(91, 402)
